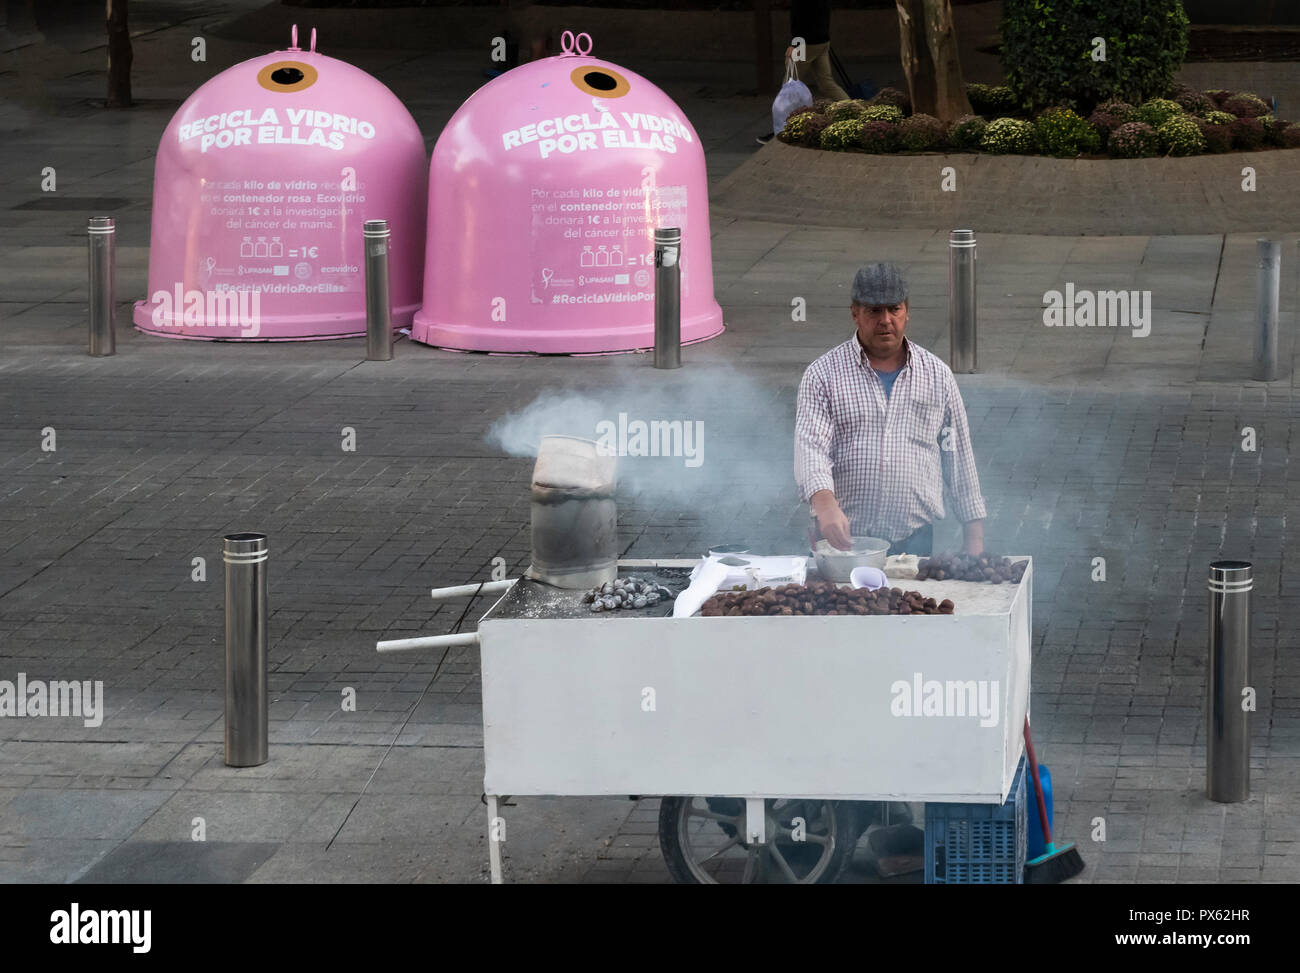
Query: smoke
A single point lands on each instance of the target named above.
(553, 413)
(724, 439)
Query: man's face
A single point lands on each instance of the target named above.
(881, 327)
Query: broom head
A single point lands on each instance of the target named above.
(1057, 865)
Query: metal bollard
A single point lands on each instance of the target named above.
(668, 297)
(379, 312)
(1227, 736)
(101, 236)
(1267, 283)
(961, 300)
(246, 705)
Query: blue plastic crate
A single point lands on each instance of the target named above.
(978, 844)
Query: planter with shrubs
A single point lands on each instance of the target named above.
(1084, 79)
(1179, 122)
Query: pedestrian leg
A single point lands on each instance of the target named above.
(819, 68)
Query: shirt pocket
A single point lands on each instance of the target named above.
(925, 420)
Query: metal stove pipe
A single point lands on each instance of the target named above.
(574, 516)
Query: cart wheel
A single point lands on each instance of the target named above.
(701, 841)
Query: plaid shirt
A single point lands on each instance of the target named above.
(882, 456)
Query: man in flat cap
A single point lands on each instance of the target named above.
(881, 430)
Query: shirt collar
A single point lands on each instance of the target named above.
(862, 352)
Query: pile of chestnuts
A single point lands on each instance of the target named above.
(824, 598)
(964, 567)
(625, 593)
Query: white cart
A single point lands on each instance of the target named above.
(792, 718)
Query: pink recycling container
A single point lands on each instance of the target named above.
(263, 180)
(545, 190)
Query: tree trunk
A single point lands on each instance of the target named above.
(941, 36)
(915, 55)
(119, 56)
(928, 49)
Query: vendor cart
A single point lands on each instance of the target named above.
(773, 739)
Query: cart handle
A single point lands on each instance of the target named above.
(465, 590)
(428, 642)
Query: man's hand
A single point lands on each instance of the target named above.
(973, 536)
(832, 523)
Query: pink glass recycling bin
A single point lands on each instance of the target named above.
(263, 180)
(545, 189)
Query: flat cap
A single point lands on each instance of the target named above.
(880, 283)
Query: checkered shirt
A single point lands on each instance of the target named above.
(882, 456)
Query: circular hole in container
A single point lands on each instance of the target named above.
(285, 77)
(600, 82)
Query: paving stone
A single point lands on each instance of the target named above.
(180, 862)
(97, 814)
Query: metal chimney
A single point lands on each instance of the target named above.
(574, 516)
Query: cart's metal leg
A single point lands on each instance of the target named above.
(755, 820)
(495, 836)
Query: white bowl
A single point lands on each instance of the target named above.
(868, 577)
(836, 565)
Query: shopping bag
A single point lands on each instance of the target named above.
(793, 94)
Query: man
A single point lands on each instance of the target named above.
(811, 20)
(881, 429)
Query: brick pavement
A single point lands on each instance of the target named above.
(1090, 442)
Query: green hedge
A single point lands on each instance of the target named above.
(1047, 49)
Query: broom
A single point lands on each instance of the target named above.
(1055, 864)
